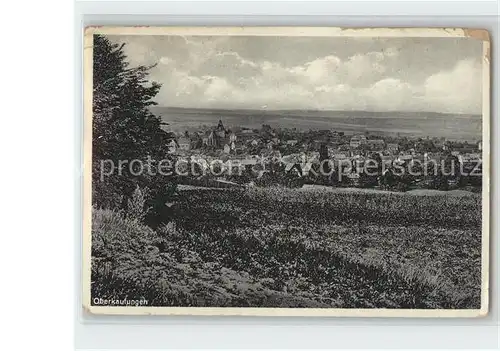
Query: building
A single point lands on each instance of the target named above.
(340, 155)
(466, 149)
(172, 147)
(184, 143)
(227, 149)
(344, 147)
(232, 137)
(196, 141)
(291, 142)
(469, 158)
(480, 145)
(220, 130)
(335, 137)
(357, 140)
(376, 144)
(213, 139)
(394, 148)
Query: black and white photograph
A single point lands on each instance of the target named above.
(293, 171)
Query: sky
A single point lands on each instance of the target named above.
(323, 73)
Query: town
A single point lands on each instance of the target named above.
(294, 157)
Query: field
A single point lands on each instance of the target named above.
(277, 247)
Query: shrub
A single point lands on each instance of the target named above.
(136, 206)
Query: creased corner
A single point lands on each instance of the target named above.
(90, 30)
(87, 309)
(487, 52)
(479, 34)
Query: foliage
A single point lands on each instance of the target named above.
(283, 247)
(124, 130)
(137, 205)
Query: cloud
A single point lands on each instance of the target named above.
(459, 89)
(211, 72)
(390, 94)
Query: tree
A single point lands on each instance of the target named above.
(124, 129)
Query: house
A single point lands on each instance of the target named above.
(254, 142)
(318, 143)
(196, 141)
(357, 140)
(340, 155)
(227, 149)
(465, 149)
(184, 143)
(306, 168)
(213, 139)
(291, 142)
(393, 148)
(232, 137)
(246, 135)
(344, 147)
(469, 158)
(439, 145)
(376, 144)
(249, 161)
(409, 152)
(172, 147)
(474, 156)
(294, 168)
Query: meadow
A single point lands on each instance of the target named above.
(279, 247)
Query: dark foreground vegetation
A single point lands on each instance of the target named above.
(288, 248)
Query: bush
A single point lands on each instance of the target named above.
(136, 206)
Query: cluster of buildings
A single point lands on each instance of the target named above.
(228, 141)
(248, 144)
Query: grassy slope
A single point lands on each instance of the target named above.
(284, 248)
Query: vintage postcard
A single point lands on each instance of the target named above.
(286, 171)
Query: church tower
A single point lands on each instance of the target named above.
(220, 126)
(221, 131)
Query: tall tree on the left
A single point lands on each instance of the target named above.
(125, 131)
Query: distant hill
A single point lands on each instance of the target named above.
(456, 126)
(305, 113)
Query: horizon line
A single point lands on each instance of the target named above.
(315, 110)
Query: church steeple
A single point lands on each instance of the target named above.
(220, 126)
